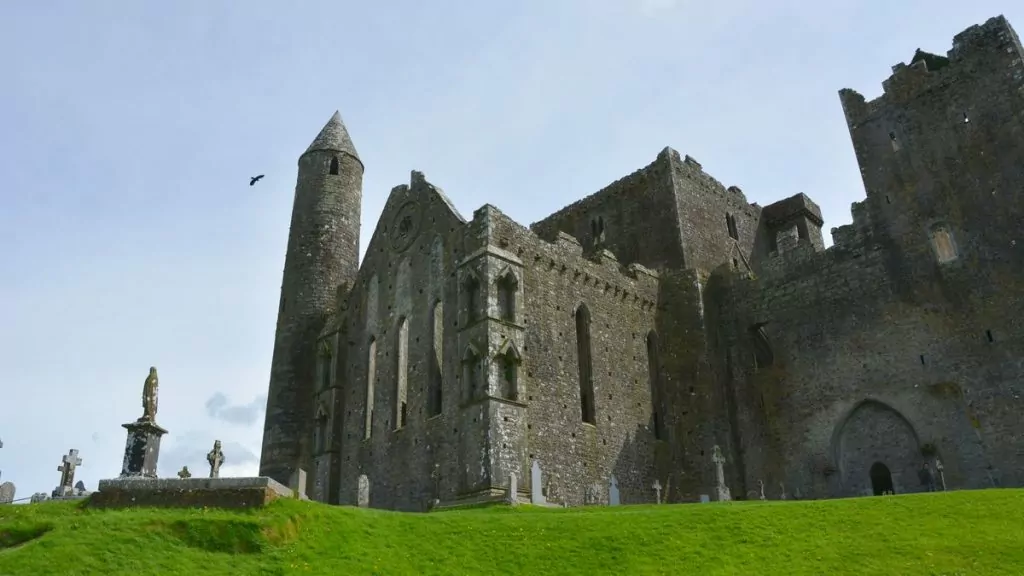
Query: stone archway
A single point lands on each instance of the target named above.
(881, 479)
(876, 446)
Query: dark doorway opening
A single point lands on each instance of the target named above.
(881, 479)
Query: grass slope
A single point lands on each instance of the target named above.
(976, 532)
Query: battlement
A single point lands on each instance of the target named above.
(787, 209)
(989, 48)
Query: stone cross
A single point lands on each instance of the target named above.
(184, 473)
(657, 491)
(782, 487)
(215, 457)
(719, 460)
(536, 491)
(613, 492)
(513, 489)
(760, 487)
(942, 477)
(67, 470)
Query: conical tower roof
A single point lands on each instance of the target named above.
(334, 136)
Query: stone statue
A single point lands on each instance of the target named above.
(215, 457)
(149, 394)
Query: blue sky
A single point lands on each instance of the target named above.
(129, 236)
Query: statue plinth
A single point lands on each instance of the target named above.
(142, 449)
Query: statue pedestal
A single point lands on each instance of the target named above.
(142, 449)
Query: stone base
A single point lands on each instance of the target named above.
(491, 496)
(189, 492)
(142, 449)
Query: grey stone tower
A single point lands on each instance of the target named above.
(322, 255)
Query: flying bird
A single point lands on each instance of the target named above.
(255, 179)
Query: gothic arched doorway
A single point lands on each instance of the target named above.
(881, 479)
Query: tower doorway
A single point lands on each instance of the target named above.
(881, 479)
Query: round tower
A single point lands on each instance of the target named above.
(323, 253)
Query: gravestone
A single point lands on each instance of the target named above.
(942, 476)
(704, 498)
(184, 473)
(513, 490)
(760, 488)
(657, 491)
(298, 483)
(215, 457)
(71, 461)
(363, 491)
(38, 497)
(613, 491)
(721, 488)
(7, 491)
(536, 491)
(142, 448)
(782, 488)
(80, 488)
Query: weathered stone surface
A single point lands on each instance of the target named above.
(142, 448)
(637, 329)
(188, 492)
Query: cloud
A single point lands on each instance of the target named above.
(219, 408)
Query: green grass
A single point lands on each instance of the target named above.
(975, 532)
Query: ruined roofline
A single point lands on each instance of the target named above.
(927, 71)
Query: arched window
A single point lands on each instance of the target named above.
(764, 356)
(402, 377)
(508, 372)
(471, 376)
(436, 360)
(584, 362)
(325, 365)
(654, 374)
(334, 165)
(508, 286)
(371, 375)
(471, 290)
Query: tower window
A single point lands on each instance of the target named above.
(508, 286)
(730, 223)
(402, 377)
(371, 375)
(334, 165)
(585, 365)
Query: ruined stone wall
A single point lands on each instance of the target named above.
(577, 456)
(409, 267)
(635, 217)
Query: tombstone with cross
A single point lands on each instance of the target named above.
(70, 462)
(657, 491)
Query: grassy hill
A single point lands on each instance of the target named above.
(977, 532)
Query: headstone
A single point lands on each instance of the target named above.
(215, 457)
(613, 492)
(782, 488)
(80, 488)
(7, 491)
(298, 484)
(721, 488)
(363, 492)
(704, 498)
(942, 476)
(142, 448)
(536, 491)
(71, 461)
(760, 488)
(38, 497)
(513, 489)
(657, 491)
(184, 473)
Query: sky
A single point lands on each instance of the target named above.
(130, 237)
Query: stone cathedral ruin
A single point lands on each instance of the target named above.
(664, 332)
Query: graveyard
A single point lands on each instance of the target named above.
(904, 534)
